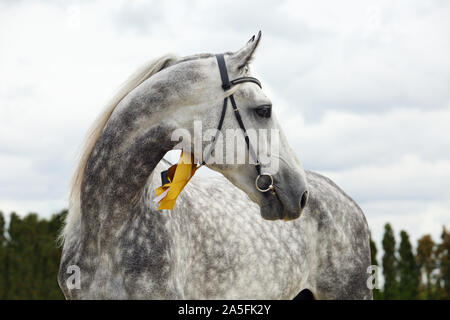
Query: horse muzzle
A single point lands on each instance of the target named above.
(285, 198)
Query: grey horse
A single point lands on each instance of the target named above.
(224, 239)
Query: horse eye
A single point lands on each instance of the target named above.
(264, 111)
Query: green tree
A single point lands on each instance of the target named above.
(443, 253)
(3, 273)
(51, 256)
(373, 252)
(408, 270)
(426, 261)
(33, 257)
(389, 264)
(21, 249)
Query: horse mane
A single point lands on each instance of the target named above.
(138, 77)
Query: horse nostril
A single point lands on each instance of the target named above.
(304, 199)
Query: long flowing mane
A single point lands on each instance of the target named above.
(138, 77)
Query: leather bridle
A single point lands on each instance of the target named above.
(226, 85)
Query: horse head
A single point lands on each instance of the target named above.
(224, 101)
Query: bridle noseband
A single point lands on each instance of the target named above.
(226, 85)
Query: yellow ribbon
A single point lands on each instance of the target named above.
(178, 175)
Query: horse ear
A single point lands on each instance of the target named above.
(244, 56)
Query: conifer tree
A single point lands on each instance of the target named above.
(389, 264)
(426, 261)
(33, 257)
(373, 252)
(407, 269)
(444, 264)
(3, 273)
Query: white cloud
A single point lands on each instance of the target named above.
(341, 140)
(407, 178)
(362, 57)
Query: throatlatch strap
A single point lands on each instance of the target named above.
(219, 127)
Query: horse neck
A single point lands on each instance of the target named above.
(129, 148)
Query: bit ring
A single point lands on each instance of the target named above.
(270, 187)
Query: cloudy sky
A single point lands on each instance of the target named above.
(362, 89)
